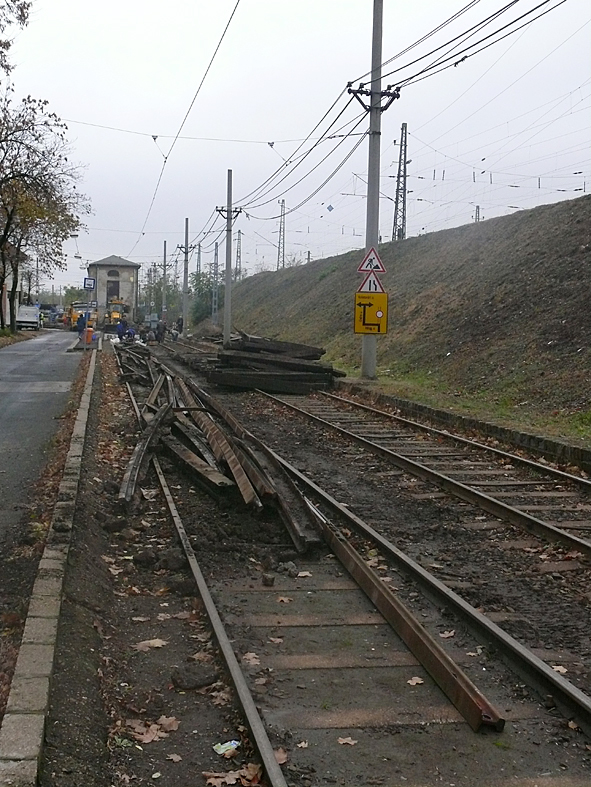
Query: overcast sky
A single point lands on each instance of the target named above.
(508, 128)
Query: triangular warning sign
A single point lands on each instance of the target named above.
(371, 262)
(371, 284)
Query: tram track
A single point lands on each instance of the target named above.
(241, 608)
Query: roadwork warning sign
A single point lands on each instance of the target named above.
(371, 312)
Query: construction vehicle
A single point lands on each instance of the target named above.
(76, 309)
(116, 311)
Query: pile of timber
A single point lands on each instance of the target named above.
(188, 426)
(272, 366)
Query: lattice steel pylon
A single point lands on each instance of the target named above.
(281, 244)
(238, 266)
(399, 226)
(214, 288)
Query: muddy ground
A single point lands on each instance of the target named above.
(139, 695)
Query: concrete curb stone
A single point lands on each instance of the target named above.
(23, 727)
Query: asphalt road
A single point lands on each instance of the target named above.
(35, 381)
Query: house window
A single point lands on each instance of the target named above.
(113, 274)
(112, 290)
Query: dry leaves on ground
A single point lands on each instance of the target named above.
(174, 757)
(415, 681)
(251, 659)
(281, 756)
(447, 634)
(144, 732)
(347, 741)
(284, 600)
(559, 668)
(250, 774)
(145, 646)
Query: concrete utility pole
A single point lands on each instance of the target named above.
(375, 109)
(477, 213)
(186, 281)
(228, 277)
(399, 225)
(229, 213)
(372, 216)
(164, 285)
(198, 259)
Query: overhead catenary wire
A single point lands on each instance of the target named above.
(423, 73)
(184, 120)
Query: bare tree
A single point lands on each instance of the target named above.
(12, 12)
(39, 203)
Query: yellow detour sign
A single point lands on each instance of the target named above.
(371, 312)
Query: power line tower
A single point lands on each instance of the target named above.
(238, 268)
(214, 289)
(281, 244)
(399, 226)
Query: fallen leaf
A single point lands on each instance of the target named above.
(174, 757)
(115, 571)
(260, 681)
(304, 574)
(276, 640)
(447, 634)
(168, 723)
(251, 658)
(415, 681)
(559, 668)
(163, 616)
(348, 741)
(150, 494)
(183, 615)
(250, 774)
(221, 697)
(302, 745)
(140, 619)
(284, 600)
(149, 643)
(156, 775)
(280, 755)
(573, 725)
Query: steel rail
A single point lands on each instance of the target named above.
(255, 724)
(558, 474)
(537, 674)
(451, 679)
(489, 504)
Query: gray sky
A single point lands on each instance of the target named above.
(506, 129)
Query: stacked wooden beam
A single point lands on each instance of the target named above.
(273, 366)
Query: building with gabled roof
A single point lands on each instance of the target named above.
(116, 279)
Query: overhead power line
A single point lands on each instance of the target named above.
(184, 120)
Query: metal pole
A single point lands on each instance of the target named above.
(186, 281)
(228, 278)
(164, 285)
(372, 221)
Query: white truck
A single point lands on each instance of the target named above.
(28, 317)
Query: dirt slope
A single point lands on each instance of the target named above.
(499, 308)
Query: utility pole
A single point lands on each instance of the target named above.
(399, 226)
(164, 285)
(186, 281)
(185, 249)
(477, 213)
(229, 213)
(198, 259)
(214, 289)
(228, 276)
(375, 109)
(281, 244)
(238, 268)
(309, 257)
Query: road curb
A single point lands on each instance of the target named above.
(23, 727)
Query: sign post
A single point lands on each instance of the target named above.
(89, 285)
(371, 301)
